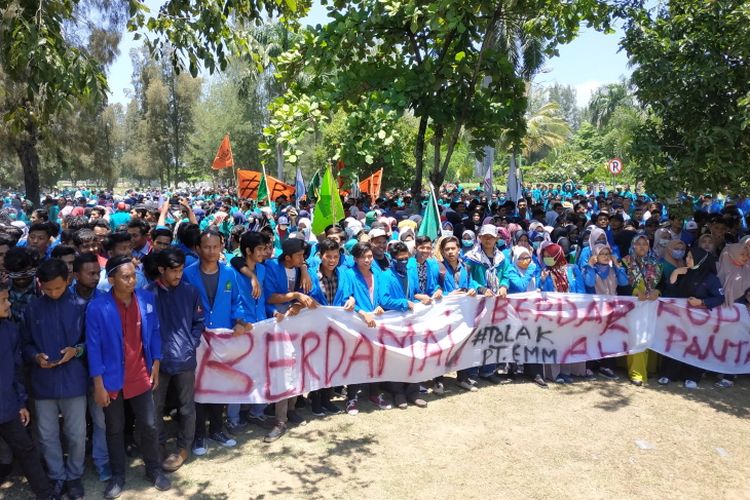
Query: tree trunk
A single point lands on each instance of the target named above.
(279, 162)
(29, 157)
(416, 187)
(436, 180)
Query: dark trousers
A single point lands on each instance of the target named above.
(320, 396)
(145, 426)
(677, 370)
(411, 391)
(20, 443)
(531, 370)
(183, 385)
(595, 364)
(214, 412)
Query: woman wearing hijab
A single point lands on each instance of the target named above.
(597, 236)
(468, 241)
(644, 276)
(504, 241)
(734, 271)
(559, 276)
(523, 276)
(672, 258)
(699, 284)
(602, 274)
(662, 237)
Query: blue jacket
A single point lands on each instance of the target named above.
(254, 309)
(275, 282)
(190, 256)
(48, 327)
(388, 293)
(227, 308)
(12, 391)
(448, 277)
(104, 337)
(589, 277)
(519, 282)
(181, 323)
(575, 281)
(433, 277)
(343, 292)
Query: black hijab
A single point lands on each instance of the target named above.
(704, 266)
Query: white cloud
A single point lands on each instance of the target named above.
(584, 90)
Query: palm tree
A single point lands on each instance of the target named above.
(545, 129)
(526, 53)
(605, 100)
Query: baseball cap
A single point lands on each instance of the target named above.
(283, 221)
(488, 229)
(691, 225)
(377, 232)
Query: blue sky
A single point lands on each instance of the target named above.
(589, 61)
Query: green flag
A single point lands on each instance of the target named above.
(263, 187)
(313, 189)
(328, 209)
(430, 225)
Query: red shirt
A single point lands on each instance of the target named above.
(136, 380)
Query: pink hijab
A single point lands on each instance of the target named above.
(734, 271)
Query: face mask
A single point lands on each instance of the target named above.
(399, 266)
(678, 254)
(549, 261)
(523, 264)
(467, 243)
(410, 246)
(536, 244)
(601, 267)
(447, 233)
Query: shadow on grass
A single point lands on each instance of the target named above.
(341, 458)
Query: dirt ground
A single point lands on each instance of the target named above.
(590, 440)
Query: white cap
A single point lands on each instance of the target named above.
(377, 232)
(488, 229)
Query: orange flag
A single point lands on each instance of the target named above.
(371, 185)
(249, 181)
(224, 156)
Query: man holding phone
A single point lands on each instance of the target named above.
(53, 332)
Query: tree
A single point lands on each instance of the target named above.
(565, 97)
(605, 100)
(691, 72)
(54, 55)
(441, 60)
(545, 130)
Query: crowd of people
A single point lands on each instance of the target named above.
(105, 298)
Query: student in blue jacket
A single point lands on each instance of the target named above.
(181, 321)
(283, 286)
(559, 276)
(422, 269)
(85, 278)
(489, 268)
(255, 248)
(53, 331)
(332, 286)
(523, 276)
(602, 274)
(14, 417)
(222, 308)
(375, 292)
(124, 352)
(454, 276)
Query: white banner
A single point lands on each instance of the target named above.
(328, 346)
